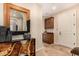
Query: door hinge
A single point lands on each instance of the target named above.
(74, 43)
(73, 14)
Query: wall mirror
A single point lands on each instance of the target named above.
(16, 18)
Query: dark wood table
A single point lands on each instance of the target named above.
(16, 48)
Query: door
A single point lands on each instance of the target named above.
(67, 28)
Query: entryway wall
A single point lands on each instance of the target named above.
(66, 27)
(36, 21)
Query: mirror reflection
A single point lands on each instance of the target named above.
(17, 21)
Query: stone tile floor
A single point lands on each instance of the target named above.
(53, 50)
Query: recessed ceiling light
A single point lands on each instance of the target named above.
(54, 7)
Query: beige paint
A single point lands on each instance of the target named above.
(36, 23)
(65, 20)
(77, 25)
(1, 14)
(55, 30)
(76, 9)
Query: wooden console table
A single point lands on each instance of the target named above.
(16, 48)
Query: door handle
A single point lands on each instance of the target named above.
(74, 34)
(59, 33)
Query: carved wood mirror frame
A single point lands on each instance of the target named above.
(8, 7)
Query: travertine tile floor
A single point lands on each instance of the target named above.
(54, 50)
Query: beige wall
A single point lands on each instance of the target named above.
(76, 9)
(36, 21)
(1, 14)
(55, 29)
(77, 27)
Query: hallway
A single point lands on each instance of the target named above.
(54, 50)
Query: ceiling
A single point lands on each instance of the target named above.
(47, 8)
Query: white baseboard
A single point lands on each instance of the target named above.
(39, 49)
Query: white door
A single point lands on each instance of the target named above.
(67, 28)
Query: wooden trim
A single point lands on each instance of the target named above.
(7, 7)
(6, 14)
(18, 8)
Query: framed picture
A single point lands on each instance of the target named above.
(16, 17)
